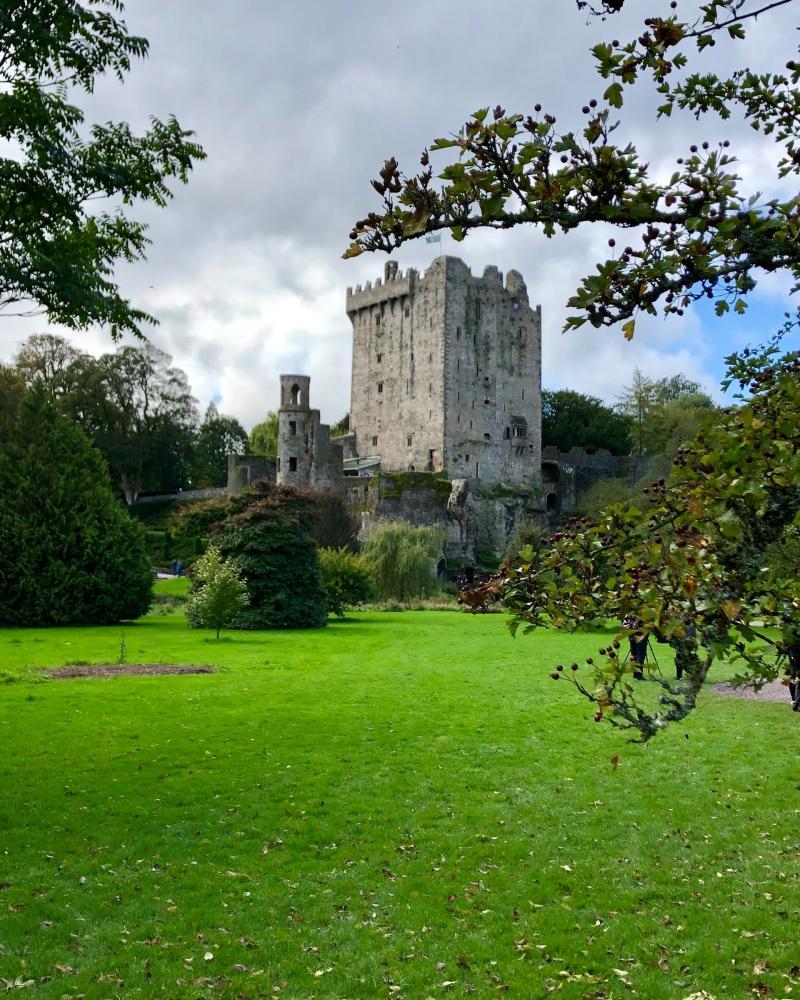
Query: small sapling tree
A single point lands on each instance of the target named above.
(218, 592)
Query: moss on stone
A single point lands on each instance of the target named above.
(395, 484)
(516, 491)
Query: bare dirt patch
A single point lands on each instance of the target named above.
(126, 670)
(771, 691)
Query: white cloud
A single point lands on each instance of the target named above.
(297, 105)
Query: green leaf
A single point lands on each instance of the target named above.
(613, 95)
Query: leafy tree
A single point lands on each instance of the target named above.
(341, 426)
(12, 389)
(47, 359)
(526, 535)
(573, 420)
(700, 236)
(137, 408)
(346, 579)
(264, 437)
(57, 253)
(690, 565)
(671, 424)
(218, 437)
(402, 559)
(636, 401)
(218, 592)
(664, 412)
(268, 531)
(147, 426)
(71, 553)
(603, 493)
(200, 518)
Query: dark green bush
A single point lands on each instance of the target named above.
(346, 579)
(69, 552)
(269, 532)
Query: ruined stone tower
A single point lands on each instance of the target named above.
(447, 374)
(306, 455)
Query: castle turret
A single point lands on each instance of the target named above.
(306, 454)
(295, 431)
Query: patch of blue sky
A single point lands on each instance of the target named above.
(724, 335)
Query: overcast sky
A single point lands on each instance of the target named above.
(297, 103)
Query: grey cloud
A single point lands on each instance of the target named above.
(297, 103)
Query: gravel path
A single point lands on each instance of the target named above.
(771, 691)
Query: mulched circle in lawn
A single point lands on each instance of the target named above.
(126, 670)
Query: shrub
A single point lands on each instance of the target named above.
(402, 559)
(198, 518)
(269, 532)
(71, 554)
(527, 534)
(346, 580)
(218, 592)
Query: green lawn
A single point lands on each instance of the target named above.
(379, 809)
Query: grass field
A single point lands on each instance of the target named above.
(400, 805)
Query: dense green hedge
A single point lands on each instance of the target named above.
(69, 552)
(269, 532)
(166, 535)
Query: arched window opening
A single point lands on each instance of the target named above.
(295, 395)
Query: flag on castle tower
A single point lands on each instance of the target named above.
(433, 238)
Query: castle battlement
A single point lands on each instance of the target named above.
(394, 285)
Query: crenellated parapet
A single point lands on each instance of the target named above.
(394, 285)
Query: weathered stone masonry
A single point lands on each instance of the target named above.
(447, 373)
(445, 418)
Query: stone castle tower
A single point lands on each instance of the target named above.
(447, 374)
(306, 455)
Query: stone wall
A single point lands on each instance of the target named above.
(209, 493)
(568, 474)
(477, 520)
(246, 469)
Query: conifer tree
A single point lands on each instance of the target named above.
(69, 552)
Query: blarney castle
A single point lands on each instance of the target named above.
(445, 411)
